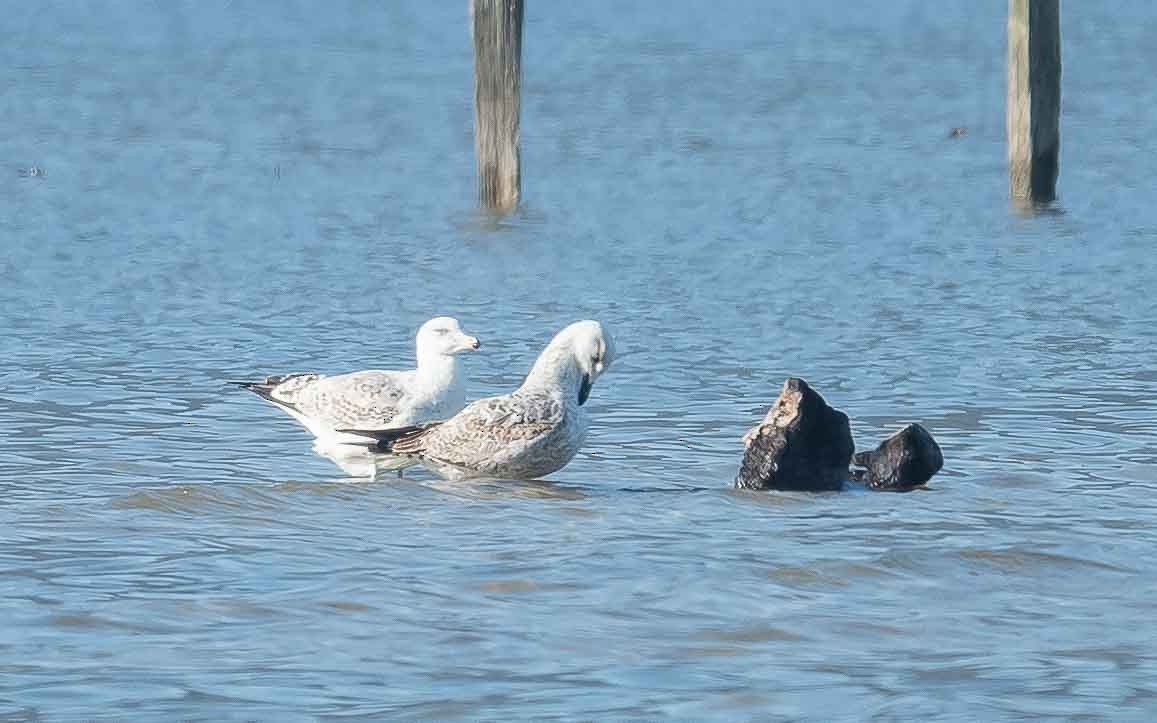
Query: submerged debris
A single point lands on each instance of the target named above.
(802, 444)
(905, 460)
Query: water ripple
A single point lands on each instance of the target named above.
(227, 193)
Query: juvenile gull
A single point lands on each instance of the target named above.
(375, 399)
(531, 432)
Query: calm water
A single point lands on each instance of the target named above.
(741, 191)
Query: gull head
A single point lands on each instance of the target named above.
(592, 350)
(442, 336)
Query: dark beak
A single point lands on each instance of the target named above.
(584, 389)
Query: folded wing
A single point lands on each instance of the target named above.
(484, 433)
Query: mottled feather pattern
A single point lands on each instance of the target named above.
(532, 432)
(368, 400)
(285, 387)
(524, 434)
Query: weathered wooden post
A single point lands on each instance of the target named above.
(1034, 98)
(497, 79)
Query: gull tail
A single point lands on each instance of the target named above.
(287, 384)
(265, 391)
(262, 389)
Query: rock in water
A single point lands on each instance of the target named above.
(905, 460)
(802, 444)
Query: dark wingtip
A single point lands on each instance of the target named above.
(263, 390)
(385, 439)
(382, 435)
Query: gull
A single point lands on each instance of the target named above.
(375, 399)
(527, 434)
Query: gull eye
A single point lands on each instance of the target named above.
(441, 332)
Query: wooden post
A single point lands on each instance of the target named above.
(1034, 98)
(497, 80)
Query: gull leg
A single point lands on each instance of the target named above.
(399, 474)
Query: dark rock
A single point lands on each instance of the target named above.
(905, 460)
(802, 444)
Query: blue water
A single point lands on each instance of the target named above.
(740, 191)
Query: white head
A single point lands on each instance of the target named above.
(442, 337)
(584, 347)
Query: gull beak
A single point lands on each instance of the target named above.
(470, 343)
(585, 389)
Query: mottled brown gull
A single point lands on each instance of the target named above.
(527, 434)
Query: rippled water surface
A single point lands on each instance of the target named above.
(741, 191)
